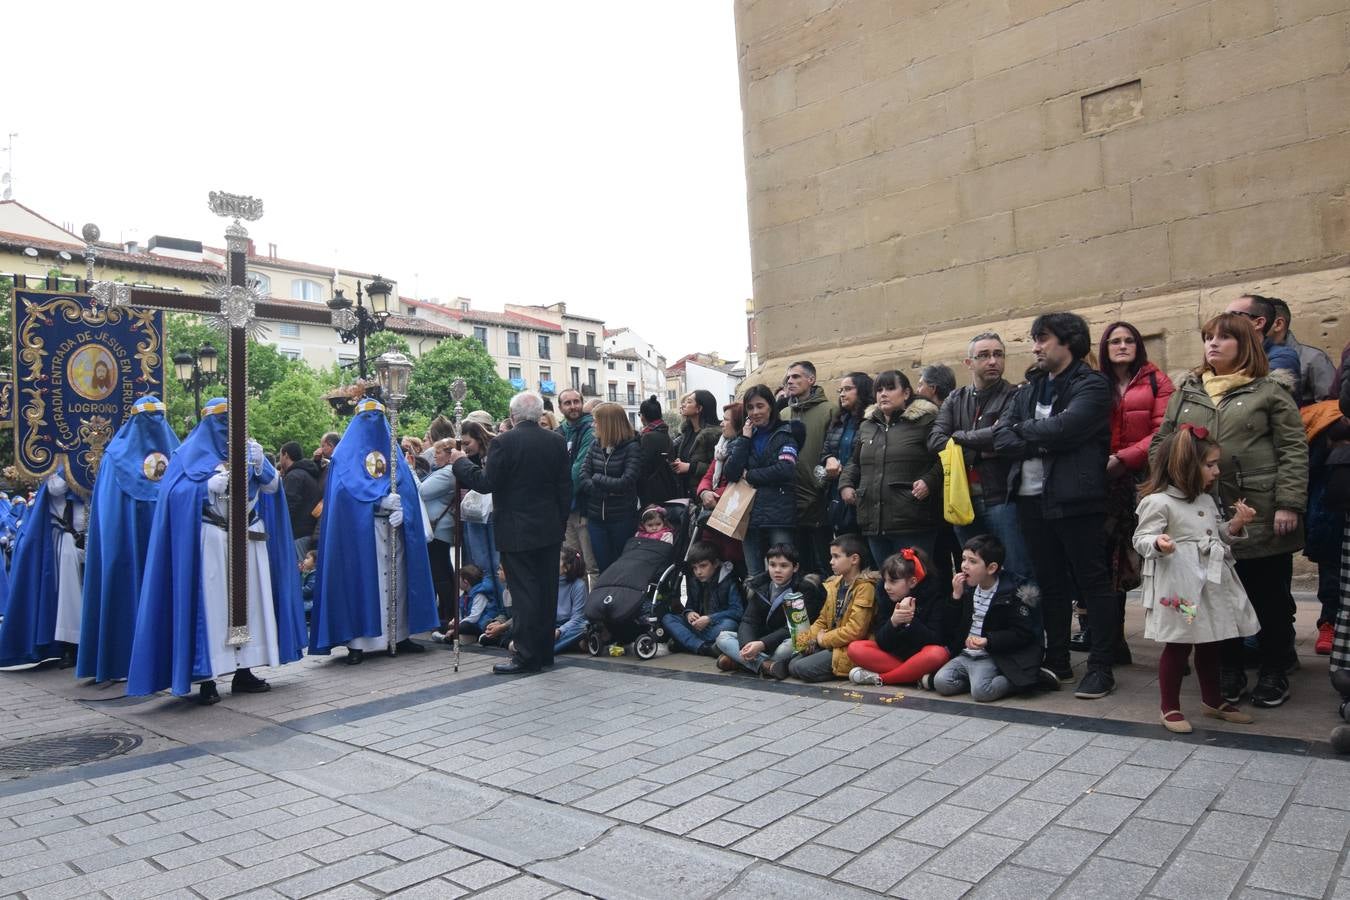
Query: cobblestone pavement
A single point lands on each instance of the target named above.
(620, 782)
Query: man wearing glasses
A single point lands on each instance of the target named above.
(968, 415)
(1284, 364)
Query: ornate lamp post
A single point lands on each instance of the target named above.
(392, 370)
(356, 323)
(197, 369)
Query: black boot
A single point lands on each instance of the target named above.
(408, 645)
(354, 657)
(245, 682)
(67, 656)
(207, 695)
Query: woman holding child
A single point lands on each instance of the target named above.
(764, 454)
(1264, 462)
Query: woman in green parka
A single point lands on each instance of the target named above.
(1264, 461)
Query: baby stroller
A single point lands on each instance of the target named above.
(627, 600)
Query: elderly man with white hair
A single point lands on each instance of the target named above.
(529, 476)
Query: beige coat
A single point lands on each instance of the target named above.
(1199, 573)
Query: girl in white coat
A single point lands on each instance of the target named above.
(1192, 595)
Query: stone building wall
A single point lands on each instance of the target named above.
(919, 170)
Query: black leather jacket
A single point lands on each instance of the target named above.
(969, 416)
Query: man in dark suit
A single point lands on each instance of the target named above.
(529, 476)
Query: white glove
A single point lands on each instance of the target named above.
(254, 455)
(218, 484)
(391, 502)
(396, 518)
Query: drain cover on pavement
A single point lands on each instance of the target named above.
(70, 750)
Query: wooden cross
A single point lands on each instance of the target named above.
(237, 305)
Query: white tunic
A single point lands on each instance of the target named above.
(382, 532)
(69, 561)
(261, 648)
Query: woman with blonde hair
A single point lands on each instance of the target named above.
(609, 477)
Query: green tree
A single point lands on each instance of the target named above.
(292, 410)
(382, 341)
(436, 370)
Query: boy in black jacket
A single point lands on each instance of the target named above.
(763, 636)
(714, 603)
(1001, 625)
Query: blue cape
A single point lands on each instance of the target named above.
(347, 585)
(121, 511)
(170, 649)
(28, 633)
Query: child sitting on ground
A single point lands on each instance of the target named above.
(477, 605)
(764, 636)
(1192, 595)
(845, 616)
(654, 525)
(497, 633)
(308, 567)
(570, 618)
(913, 625)
(714, 604)
(1000, 629)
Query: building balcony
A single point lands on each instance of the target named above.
(547, 388)
(589, 390)
(632, 400)
(583, 351)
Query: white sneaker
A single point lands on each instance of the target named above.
(438, 637)
(859, 675)
(662, 649)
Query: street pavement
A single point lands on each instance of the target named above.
(616, 779)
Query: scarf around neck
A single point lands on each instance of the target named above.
(1219, 385)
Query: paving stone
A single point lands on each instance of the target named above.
(359, 772)
(1059, 850)
(861, 831)
(1131, 781)
(1176, 804)
(972, 856)
(941, 825)
(496, 833)
(1202, 774)
(121, 855)
(935, 751)
(720, 833)
(687, 789)
(1254, 798)
(275, 849)
(1019, 818)
(1028, 765)
(1144, 841)
(1098, 812)
(1231, 834)
(92, 883)
(1095, 760)
(1191, 874)
(412, 848)
(915, 797)
(334, 874)
(427, 799)
(885, 864)
(1162, 754)
(768, 808)
(1290, 869)
(1062, 741)
(1312, 826)
(962, 770)
(788, 833)
(686, 818)
(765, 881)
(988, 792)
(612, 797)
(1015, 881)
(1111, 879)
(1323, 790)
(841, 803)
(931, 887)
(178, 880)
(638, 811)
(1060, 787)
(522, 888)
(440, 889)
(481, 874)
(1277, 768)
(813, 857)
(424, 869)
(628, 862)
(891, 775)
(241, 880)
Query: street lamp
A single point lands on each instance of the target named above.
(392, 370)
(196, 370)
(356, 323)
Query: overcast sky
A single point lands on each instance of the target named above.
(509, 152)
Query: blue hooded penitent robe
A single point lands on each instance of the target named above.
(27, 635)
(171, 647)
(120, 515)
(347, 589)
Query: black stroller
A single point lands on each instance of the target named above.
(627, 600)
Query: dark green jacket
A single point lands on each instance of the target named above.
(888, 457)
(814, 412)
(1264, 455)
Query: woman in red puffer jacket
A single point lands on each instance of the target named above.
(1139, 400)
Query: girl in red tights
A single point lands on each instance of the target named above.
(912, 633)
(1192, 595)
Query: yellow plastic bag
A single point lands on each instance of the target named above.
(956, 506)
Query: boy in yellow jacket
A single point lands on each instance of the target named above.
(850, 598)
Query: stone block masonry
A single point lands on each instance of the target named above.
(919, 170)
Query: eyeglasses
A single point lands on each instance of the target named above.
(986, 355)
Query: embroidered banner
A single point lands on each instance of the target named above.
(78, 368)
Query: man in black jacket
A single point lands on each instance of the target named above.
(968, 416)
(529, 476)
(300, 480)
(1057, 430)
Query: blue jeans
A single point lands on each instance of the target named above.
(609, 536)
(1000, 521)
(568, 639)
(884, 545)
(480, 547)
(729, 643)
(758, 541)
(692, 640)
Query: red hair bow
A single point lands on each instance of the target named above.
(1199, 431)
(909, 554)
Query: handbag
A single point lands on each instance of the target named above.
(476, 507)
(731, 516)
(957, 507)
